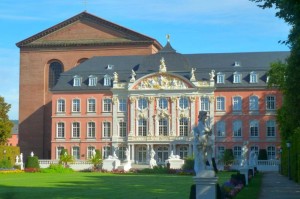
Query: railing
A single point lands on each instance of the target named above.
(77, 165)
(159, 138)
(262, 165)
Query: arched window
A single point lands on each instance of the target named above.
(163, 127)
(55, 69)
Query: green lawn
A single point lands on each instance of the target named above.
(96, 185)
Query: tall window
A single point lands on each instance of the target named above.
(237, 103)
(253, 77)
(163, 103)
(253, 103)
(220, 78)
(183, 152)
(76, 80)
(183, 102)
(75, 105)
(107, 105)
(76, 152)
(91, 127)
(220, 152)
(163, 127)
(58, 151)
(271, 128)
(106, 151)
(183, 127)
(254, 128)
(92, 80)
(255, 149)
(60, 130)
(204, 104)
(142, 103)
(91, 105)
(75, 130)
(55, 69)
(122, 105)
(90, 151)
(122, 129)
(237, 128)
(106, 129)
(107, 80)
(221, 129)
(121, 153)
(237, 77)
(270, 102)
(237, 152)
(271, 151)
(61, 106)
(142, 127)
(220, 106)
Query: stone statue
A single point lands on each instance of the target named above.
(133, 74)
(116, 77)
(152, 162)
(21, 157)
(193, 78)
(244, 161)
(31, 154)
(17, 159)
(252, 156)
(162, 66)
(212, 74)
(204, 142)
(127, 154)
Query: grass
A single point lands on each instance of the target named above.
(252, 190)
(96, 185)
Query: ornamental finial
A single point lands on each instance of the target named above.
(168, 37)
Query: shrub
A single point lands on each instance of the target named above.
(10, 153)
(65, 158)
(228, 157)
(5, 163)
(57, 168)
(32, 162)
(96, 159)
(188, 163)
(262, 155)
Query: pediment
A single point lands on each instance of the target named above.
(85, 29)
(162, 81)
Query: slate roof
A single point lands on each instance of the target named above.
(176, 63)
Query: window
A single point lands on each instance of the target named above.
(237, 128)
(163, 103)
(183, 152)
(92, 80)
(76, 105)
(237, 77)
(253, 77)
(106, 151)
(55, 69)
(91, 127)
(142, 127)
(254, 128)
(76, 80)
(183, 102)
(58, 151)
(75, 130)
(142, 103)
(255, 148)
(122, 129)
(122, 105)
(106, 129)
(220, 104)
(220, 152)
(90, 152)
(91, 105)
(107, 80)
(237, 103)
(220, 78)
(107, 105)
(271, 128)
(237, 152)
(253, 103)
(61, 106)
(270, 102)
(220, 129)
(121, 153)
(183, 127)
(163, 127)
(76, 152)
(60, 130)
(204, 104)
(271, 152)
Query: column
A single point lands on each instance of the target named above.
(148, 154)
(193, 110)
(190, 150)
(174, 116)
(211, 119)
(151, 114)
(132, 115)
(115, 117)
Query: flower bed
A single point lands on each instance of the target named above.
(6, 171)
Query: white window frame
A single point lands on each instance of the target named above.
(142, 127)
(122, 105)
(183, 103)
(220, 78)
(107, 105)
(90, 151)
(106, 129)
(253, 103)
(106, 151)
(107, 80)
(142, 103)
(183, 126)
(61, 106)
(271, 152)
(163, 103)
(221, 128)
(91, 106)
(271, 102)
(254, 128)
(237, 152)
(204, 104)
(220, 103)
(92, 80)
(122, 129)
(75, 130)
(76, 153)
(237, 128)
(76, 105)
(163, 126)
(220, 152)
(60, 130)
(183, 152)
(237, 103)
(91, 129)
(77, 80)
(253, 77)
(255, 148)
(271, 128)
(237, 77)
(58, 151)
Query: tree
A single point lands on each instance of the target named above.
(5, 124)
(96, 158)
(65, 158)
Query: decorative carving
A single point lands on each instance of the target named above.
(193, 78)
(114, 100)
(116, 77)
(162, 81)
(192, 98)
(173, 99)
(211, 98)
(212, 75)
(133, 74)
(150, 99)
(132, 99)
(162, 66)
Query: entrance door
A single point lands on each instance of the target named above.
(162, 154)
(142, 154)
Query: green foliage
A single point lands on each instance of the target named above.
(97, 159)
(188, 164)
(228, 157)
(5, 163)
(262, 155)
(5, 124)
(277, 75)
(10, 153)
(32, 162)
(57, 168)
(155, 170)
(65, 158)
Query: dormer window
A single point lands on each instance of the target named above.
(253, 77)
(237, 77)
(220, 78)
(109, 67)
(76, 80)
(237, 63)
(107, 80)
(92, 80)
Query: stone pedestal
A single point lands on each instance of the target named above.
(206, 185)
(21, 164)
(127, 166)
(175, 163)
(244, 171)
(110, 164)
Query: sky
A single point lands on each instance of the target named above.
(195, 26)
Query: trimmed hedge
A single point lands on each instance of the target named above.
(32, 162)
(10, 154)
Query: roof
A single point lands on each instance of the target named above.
(125, 35)
(176, 63)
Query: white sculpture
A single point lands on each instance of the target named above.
(133, 74)
(152, 162)
(21, 157)
(212, 74)
(94, 153)
(244, 161)
(31, 154)
(193, 78)
(17, 159)
(116, 77)
(127, 154)
(162, 66)
(204, 142)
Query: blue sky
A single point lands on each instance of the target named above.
(195, 26)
